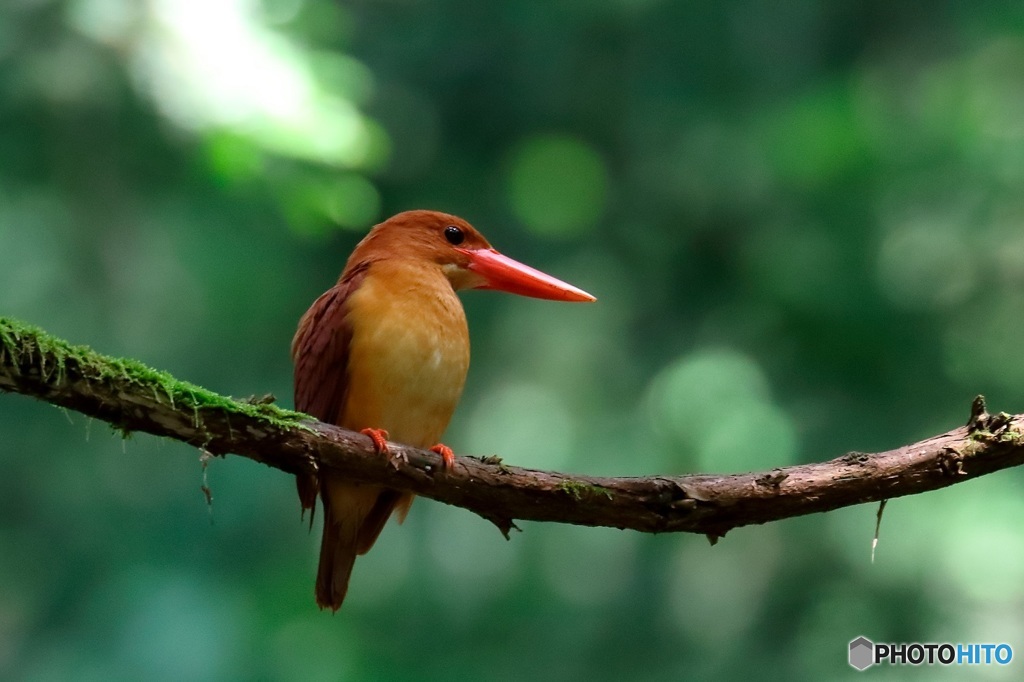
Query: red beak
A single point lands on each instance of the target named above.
(501, 273)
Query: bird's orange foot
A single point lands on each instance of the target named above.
(380, 444)
(447, 456)
(379, 438)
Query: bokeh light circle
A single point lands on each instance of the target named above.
(557, 185)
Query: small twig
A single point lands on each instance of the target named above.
(204, 460)
(878, 525)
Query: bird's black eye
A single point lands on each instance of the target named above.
(454, 235)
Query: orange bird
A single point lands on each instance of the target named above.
(385, 351)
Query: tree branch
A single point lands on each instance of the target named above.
(133, 397)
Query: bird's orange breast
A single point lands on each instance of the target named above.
(409, 353)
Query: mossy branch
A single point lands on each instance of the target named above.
(133, 397)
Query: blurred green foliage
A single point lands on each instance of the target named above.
(804, 222)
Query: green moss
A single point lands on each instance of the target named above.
(1010, 436)
(580, 489)
(24, 342)
(1005, 435)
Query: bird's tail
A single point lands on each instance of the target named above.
(354, 515)
(337, 556)
(345, 508)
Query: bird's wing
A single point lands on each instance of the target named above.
(353, 514)
(320, 351)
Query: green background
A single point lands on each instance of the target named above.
(804, 223)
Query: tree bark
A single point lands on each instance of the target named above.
(133, 397)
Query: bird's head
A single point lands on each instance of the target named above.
(463, 255)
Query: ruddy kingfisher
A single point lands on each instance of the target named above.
(385, 351)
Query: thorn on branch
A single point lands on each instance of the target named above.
(986, 427)
(979, 415)
(997, 423)
(878, 525)
(504, 524)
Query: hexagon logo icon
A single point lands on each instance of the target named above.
(862, 653)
